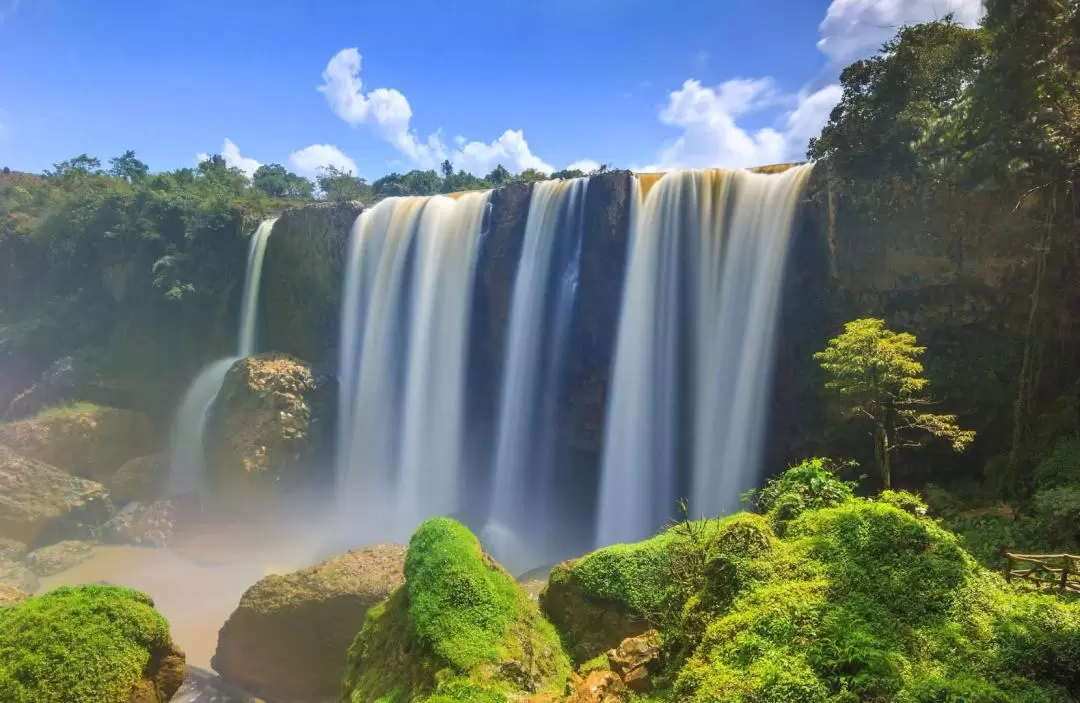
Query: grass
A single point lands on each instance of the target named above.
(60, 411)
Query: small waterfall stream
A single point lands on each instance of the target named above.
(522, 514)
(187, 460)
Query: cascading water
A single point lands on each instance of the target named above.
(187, 461)
(405, 322)
(522, 513)
(695, 338)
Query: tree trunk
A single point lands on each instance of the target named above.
(881, 452)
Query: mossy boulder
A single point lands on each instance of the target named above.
(262, 435)
(89, 441)
(40, 504)
(92, 644)
(81, 376)
(288, 638)
(15, 573)
(459, 630)
(139, 479)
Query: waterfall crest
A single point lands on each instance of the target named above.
(187, 459)
(405, 322)
(522, 514)
(693, 358)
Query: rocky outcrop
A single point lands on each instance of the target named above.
(288, 639)
(15, 573)
(58, 557)
(85, 440)
(635, 659)
(262, 435)
(144, 524)
(139, 479)
(69, 379)
(40, 504)
(599, 687)
(302, 279)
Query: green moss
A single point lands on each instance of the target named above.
(597, 663)
(634, 575)
(66, 410)
(78, 645)
(460, 627)
(904, 500)
(810, 485)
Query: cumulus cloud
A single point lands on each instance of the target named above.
(309, 160)
(585, 165)
(231, 153)
(853, 29)
(387, 110)
(712, 136)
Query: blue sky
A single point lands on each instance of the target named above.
(393, 85)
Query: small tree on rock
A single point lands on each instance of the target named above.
(878, 372)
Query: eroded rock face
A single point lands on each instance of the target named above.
(40, 504)
(635, 659)
(139, 479)
(262, 436)
(289, 637)
(68, 379)
(58, 557)
(599, 687)
(144, 524)
(85, 440)
(10, 595)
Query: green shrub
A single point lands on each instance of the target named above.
(908, 502)
(810, 485)
(1061, 467)
(89, 644)
(1057, 511)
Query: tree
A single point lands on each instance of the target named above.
(129, 168)
(878, 372)
(277, 182)
(78, 167)
(338, 185)
(499, 176)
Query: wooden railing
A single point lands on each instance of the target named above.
(1051, 572)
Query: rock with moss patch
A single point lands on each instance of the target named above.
(460, 629)
(91, 644)
(140, 479)
(288, 638)
(262, 435)
(85, 440)
(58, 557)
(40, 504)
(144, 524)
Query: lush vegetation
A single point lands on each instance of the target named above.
(459, 630)
(829, 597)
(878, 373)
(79, 645)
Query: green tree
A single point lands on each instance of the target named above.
(277, 182)
(338, 185)
(499, 176)
(81, 166)
(879, 374)
(128, 167)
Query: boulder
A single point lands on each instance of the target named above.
(635, 659)
(9, 595)
(15, 574)
(599, 687)
(261, 436)
(88, 644)
(58, 557)
(69, 379)
(145, 524)
(86, 440)
(142, 479)
(289, 637)
(40, 504)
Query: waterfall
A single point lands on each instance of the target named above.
(523, 513)
(187, 460)
(405, 322)
(692, 367)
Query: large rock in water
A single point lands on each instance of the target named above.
(40, 504)
(288, 639)
(263, 434)
(69, 379)
(85, 440)
(142, 479)
(92, 644)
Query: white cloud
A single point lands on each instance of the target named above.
(585, 165)
(712, 137)
(853, 29)
(231, 153)
(388, 111)
(309, 160)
